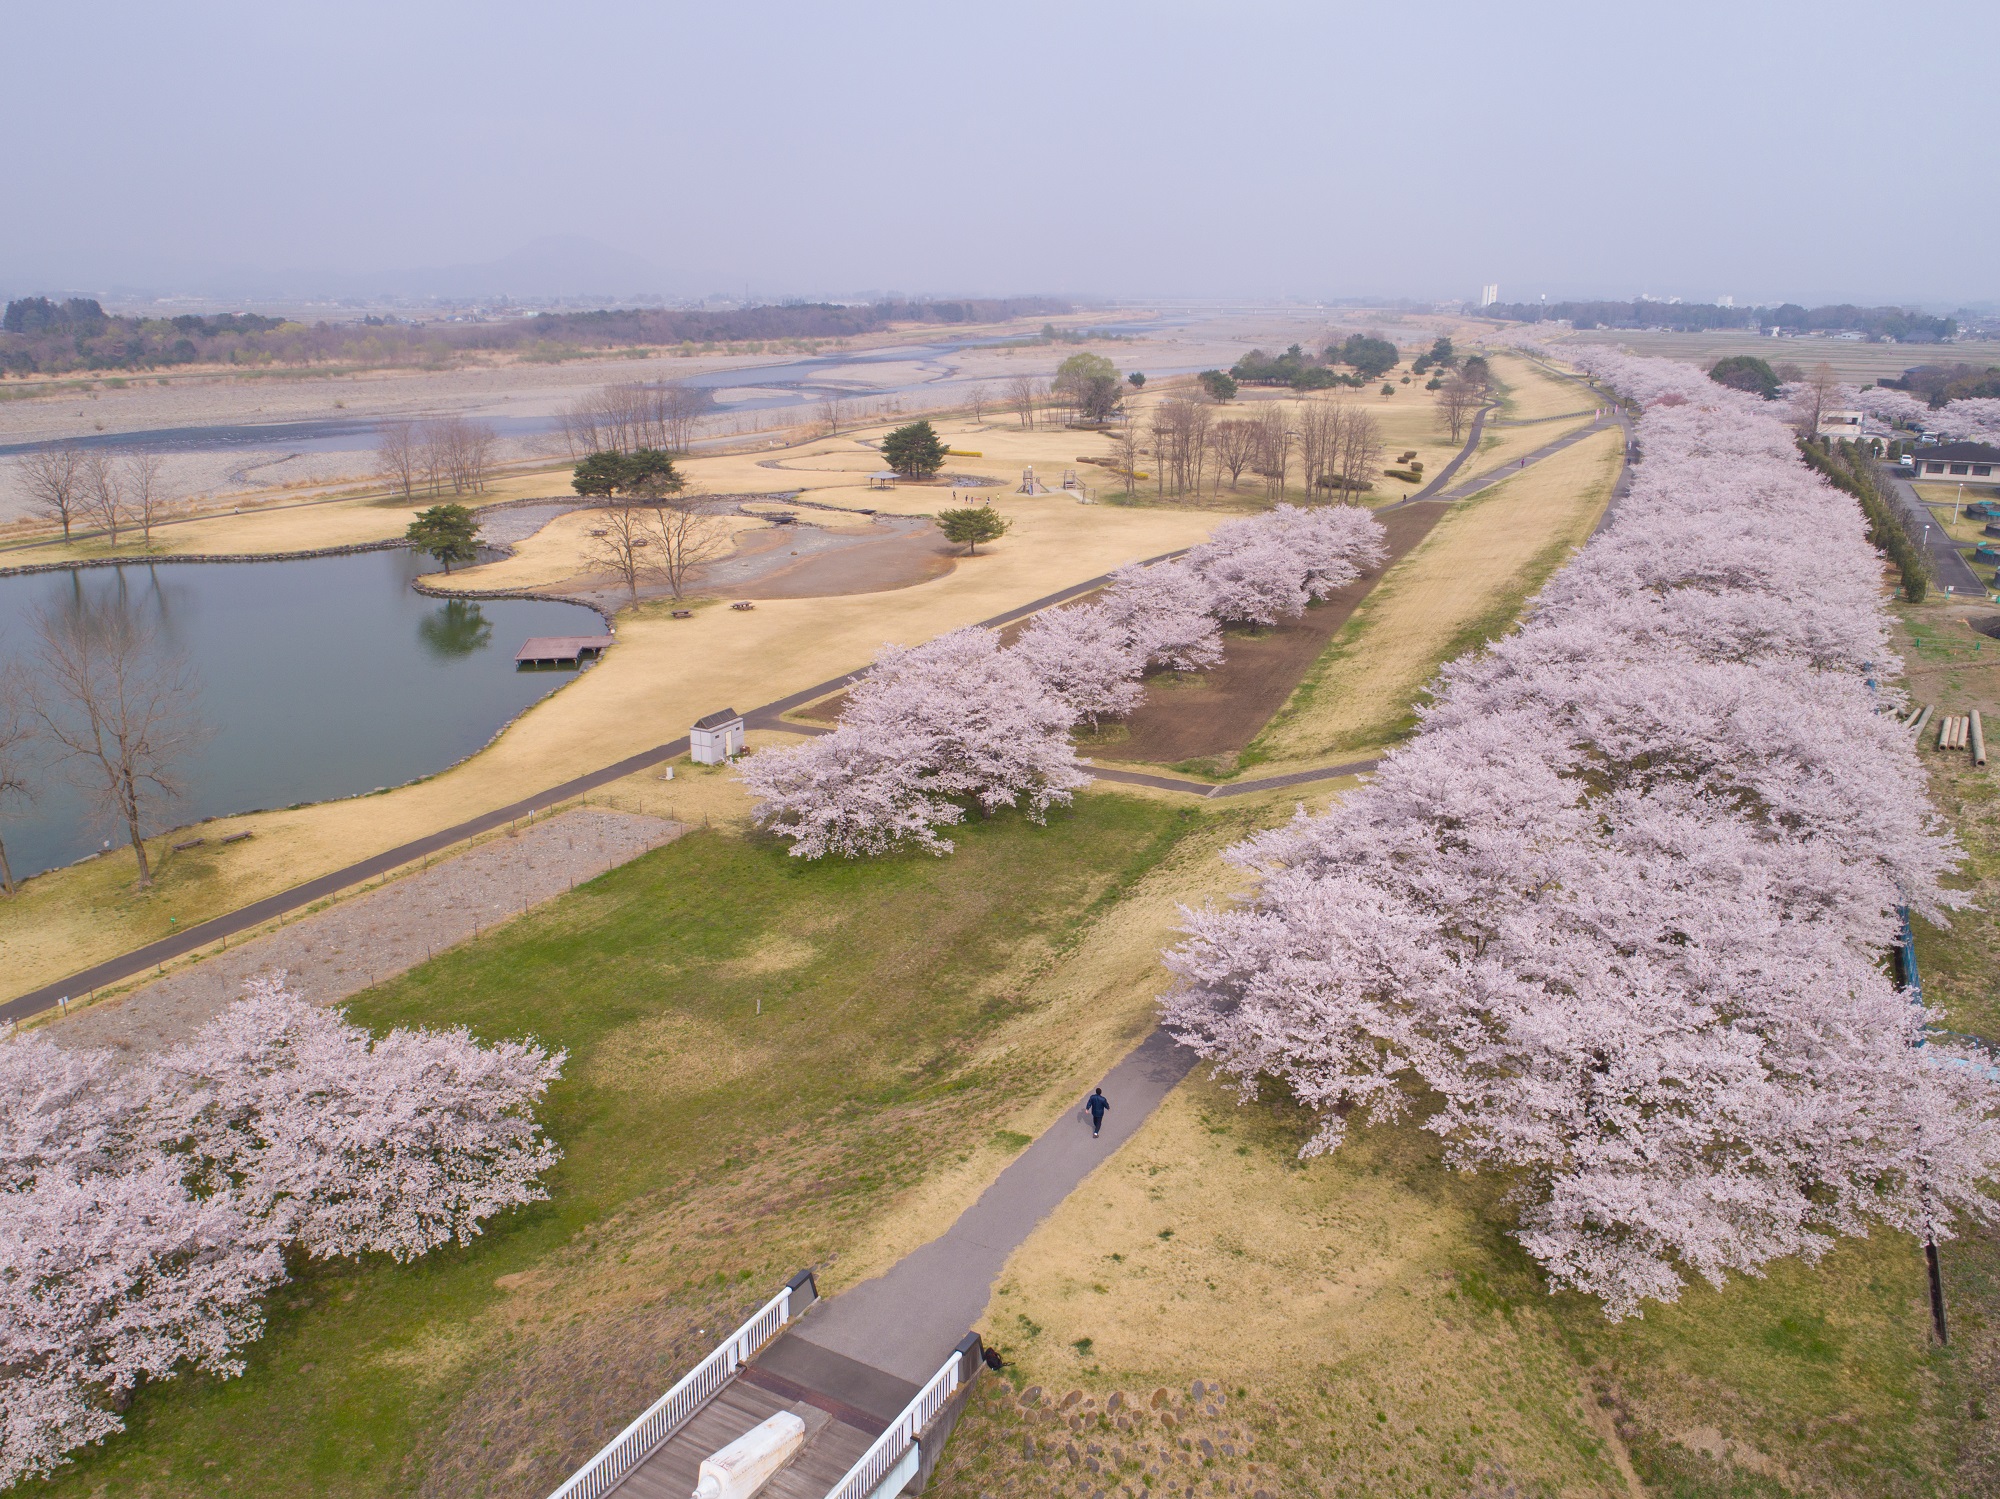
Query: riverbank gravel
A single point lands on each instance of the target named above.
(335, 953)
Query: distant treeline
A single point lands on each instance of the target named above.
(1898, 323)
(40, 336)
(1942, 383)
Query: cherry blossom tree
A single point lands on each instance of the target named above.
(1613, 921)
(349, 1144)
(145, 1208)
(850, 794)
(1166, 612)
(954, 719)
(108, 1278)
(959, 718)
(1085, 659)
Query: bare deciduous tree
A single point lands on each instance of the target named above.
(1458, 398)
(1021, 393)
(399, 451)
(1815, 396)
(118, 711)
(1125, 453)
(829, 414)
(619, 545)
(103, 493)
(660, 541)
(1274, 447)
(54, 479)
(978, 399)
(17, 735)
(1235, 444)
(147, 498)
(1360, 450)
(1180, 427)
(623, 418)
(1319, 441)
(688, 536)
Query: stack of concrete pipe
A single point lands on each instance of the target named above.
(1956, 731)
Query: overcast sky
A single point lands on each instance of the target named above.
(1816, 151)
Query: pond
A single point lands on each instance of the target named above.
(312, 678)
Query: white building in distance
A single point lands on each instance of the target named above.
(1489, 294)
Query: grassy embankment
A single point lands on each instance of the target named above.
(919, 1018)
(1463, 584)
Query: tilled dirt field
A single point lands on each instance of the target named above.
(1221, 711)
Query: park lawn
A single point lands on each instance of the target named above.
(1462, 585)
(919, 1017)
(1380, 1333)
(1957, 670)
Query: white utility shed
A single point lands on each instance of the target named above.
(717, 737)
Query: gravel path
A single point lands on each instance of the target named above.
(338, 952)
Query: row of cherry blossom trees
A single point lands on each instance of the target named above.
(963, 719)
(1613, 922)
(146, 1210)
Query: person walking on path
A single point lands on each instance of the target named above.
(1095, 1106)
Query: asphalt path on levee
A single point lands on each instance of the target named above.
(220, 929)
(1954, 573)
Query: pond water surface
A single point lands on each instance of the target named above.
(315, 678)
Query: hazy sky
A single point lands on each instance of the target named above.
(1313, 149)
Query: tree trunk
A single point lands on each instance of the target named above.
(138, 842)
(6, 870)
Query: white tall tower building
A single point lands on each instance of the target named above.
(1489, 294)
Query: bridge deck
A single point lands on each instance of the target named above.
(832, 1446)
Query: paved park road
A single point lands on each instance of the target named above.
(1954, 573)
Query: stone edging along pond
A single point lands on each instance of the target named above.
(145, 561)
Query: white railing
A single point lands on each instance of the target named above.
(889, 1447)
(670, 1412)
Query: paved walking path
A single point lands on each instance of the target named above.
(906, 1321)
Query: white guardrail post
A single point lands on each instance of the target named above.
(889, 1447)
(671, 1411)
